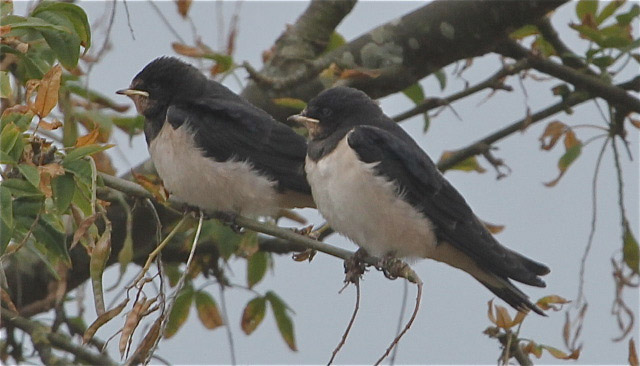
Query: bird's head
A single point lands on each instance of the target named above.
(163, 81)
(336, 109)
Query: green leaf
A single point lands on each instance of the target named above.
(226, 239)
(81, 152)
(63, 187)
(256, 267)
(21, 188)
(442, 78)
(49, 235)
(627, 18)
(11, 141)
(585, 7)
(6, 8)
(179, 312)
(31, 174)
(293, 103)
(608, 10)
(630, 250)
(569, 156)
(5, 85)
(283, 320)
(131, 125)
(415, 93)
(603, 61)
(253, 314)
(74, 14)
(335, 40)
(208, 310)
(17, 22)
(65, 43)
(6, 234)
(21, 120)
(525, 31)
(6, 218)
(81, 169)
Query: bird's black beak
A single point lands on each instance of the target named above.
(132, 92)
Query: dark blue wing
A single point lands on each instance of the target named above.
(422, 186)
(227, 128)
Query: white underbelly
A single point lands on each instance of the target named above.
(366, 208)
(232, 186)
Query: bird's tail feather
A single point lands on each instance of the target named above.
(527, 270)
(505, 290)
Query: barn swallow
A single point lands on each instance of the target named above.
(375, 185)
(212, 148)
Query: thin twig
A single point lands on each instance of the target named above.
(403, 308)
(166, 21)
(351, 321)
(179, 286)
(493, 82)
(409, 323)
(594, 211)
(225, 317)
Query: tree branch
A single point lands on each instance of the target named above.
(37, 331)
(405, 50)
(594, 85)
(484, 144)
(493, 82)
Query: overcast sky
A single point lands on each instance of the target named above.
(550, 225)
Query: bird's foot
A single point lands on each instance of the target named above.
(392, 267)
(354, 266)
(304, 255)
(305, 231)
(229, 219)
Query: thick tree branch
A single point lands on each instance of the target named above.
(43, 337)
(594, 85)
(407, 49)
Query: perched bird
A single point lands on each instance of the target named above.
(375, 185)
(212, 148)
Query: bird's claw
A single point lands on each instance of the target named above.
(391, 267)
(354, 266)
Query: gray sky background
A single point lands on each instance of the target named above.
(548, 224)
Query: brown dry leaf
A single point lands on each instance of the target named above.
(633, 356)
(570, 139)
(130, 324)
(359, 73)
(493, 228)
(47, 97)
(17, 109)
(635, 122)
(5, 29)
(183, 7)
(46, 173)
(157, 190)
(140, 354)
(31, 86)
(49, 126)
(553, 131)
(88, 139)
(533, 349)
(101, 320)
(188, 51)
(83, 227)
(103, 163)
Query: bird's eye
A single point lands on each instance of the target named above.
(326, 112)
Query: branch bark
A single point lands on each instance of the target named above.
(404, 50)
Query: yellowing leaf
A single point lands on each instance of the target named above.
(503, 319)
(158, 191)
(533, 348)
(49, 126)
(283, 320)
(493, 228)
(635, 122)
(561, 355)
(570, 139)
(293, 103)
(565, 161)
(208, 310)
(553, 131)
(253, 314)
(47, 172)
(88, 139)
(550, 302)
(47, 97)
(188, 51)
(467, 165)
(360, 74)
